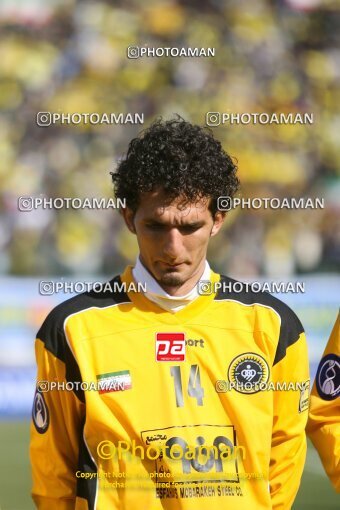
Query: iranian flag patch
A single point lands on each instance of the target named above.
(114, 381)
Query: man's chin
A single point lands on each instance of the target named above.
(171, 280)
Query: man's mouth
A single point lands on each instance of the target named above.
(171, 265)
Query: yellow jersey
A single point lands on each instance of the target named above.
(139, 408)
(324, 417)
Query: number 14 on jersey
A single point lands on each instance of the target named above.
(194, 388)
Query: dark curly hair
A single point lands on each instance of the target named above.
(183, 159)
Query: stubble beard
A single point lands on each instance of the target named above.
(171, 280)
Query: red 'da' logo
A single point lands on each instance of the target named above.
(170, 347)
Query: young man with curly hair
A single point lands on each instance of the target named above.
(181, 414)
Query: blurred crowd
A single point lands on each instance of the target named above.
(71, 56)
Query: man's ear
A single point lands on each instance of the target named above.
(218, 222)
(128, 216)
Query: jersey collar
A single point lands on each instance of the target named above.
(155, 312)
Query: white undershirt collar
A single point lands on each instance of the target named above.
(155, 293)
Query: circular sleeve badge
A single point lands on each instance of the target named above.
(40, 414)
(328, 377)
(247, 372)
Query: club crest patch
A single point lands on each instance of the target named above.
(328, 377)
(40, 414)
(247, 371)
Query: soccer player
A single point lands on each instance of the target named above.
(324, 416)
(169, 404)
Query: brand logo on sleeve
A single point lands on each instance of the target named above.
(40, 414)
(328, 377)
(304, 397)
(114, 381)
(247, 371)
(170, 346)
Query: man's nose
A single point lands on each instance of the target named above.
(172, 245)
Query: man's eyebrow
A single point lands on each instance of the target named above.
(198, 223)
(153, 221)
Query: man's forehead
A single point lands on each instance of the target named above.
(158, 206)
